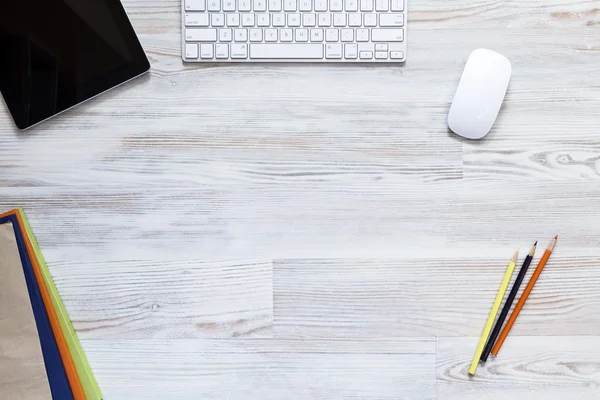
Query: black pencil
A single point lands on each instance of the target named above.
(511, 297)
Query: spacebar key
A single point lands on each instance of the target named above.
(288, 51)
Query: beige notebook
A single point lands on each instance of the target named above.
(22, 371)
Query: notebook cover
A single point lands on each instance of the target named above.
(86, 377)
(55, 371)
(22, 372)
(63, 348)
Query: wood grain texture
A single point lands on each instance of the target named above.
(168, 300)
(344, 219)
(265, 369)
(349, 179)
(552, 368)
(427, 297)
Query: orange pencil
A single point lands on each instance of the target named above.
(523, 299)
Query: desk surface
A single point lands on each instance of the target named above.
(315, 232)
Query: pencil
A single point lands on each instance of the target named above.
(523, 299)
(493, 312)
(508, 304)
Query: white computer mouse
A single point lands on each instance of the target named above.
(479, 94)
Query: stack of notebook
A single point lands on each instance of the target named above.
(40, 355)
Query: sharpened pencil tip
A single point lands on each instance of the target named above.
(553, 243)
(532, 250)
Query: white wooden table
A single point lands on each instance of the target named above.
(315, 232)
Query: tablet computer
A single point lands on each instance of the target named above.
(55, 54)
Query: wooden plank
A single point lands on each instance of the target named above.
(551, 368)
(507, 15)
(168, 300)
(342, 218)
(264, 369)
(426, 297)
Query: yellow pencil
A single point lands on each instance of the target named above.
(493, 312)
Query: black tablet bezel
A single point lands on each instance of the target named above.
(138, 65)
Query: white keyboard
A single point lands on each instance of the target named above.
(294, 30)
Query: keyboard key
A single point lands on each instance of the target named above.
(200, 35)
(387, 35)
(347, 35)
(222, 50)
(274, 5)
(271, 35)
(302, 35)
(351, 5)
(339, 19)
(391, 20)
(305, 5)
(351, 50)
(240, 35)
(335, 5)
(362, 35)
(286, 51)
(397, 5)
(225, 35)
(278, 19)
(324, 19)
(264, 20)
(244, 5)
(316, 35)
(332, 35)
(256, 35)
(218, 19)
(370, 19)
(214, 5)
(365, 5)
(289, 5)
(285, 35)
(382, 5)
(228, 5)
(381, 55)
(381, 47)
(196, 19)
(309, 20)
(233, 19)
(321, 5)
(333, 50)
(206, 50)
(294, 19)
(195, 5)
(247, 19)
(354, 19)
(366, 54)
(191, 50)
(396, 54)
(260, 5)
(239, 50)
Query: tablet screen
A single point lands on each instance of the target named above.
(55, 54)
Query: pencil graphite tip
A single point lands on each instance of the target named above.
(535, 244)
(556, 237)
